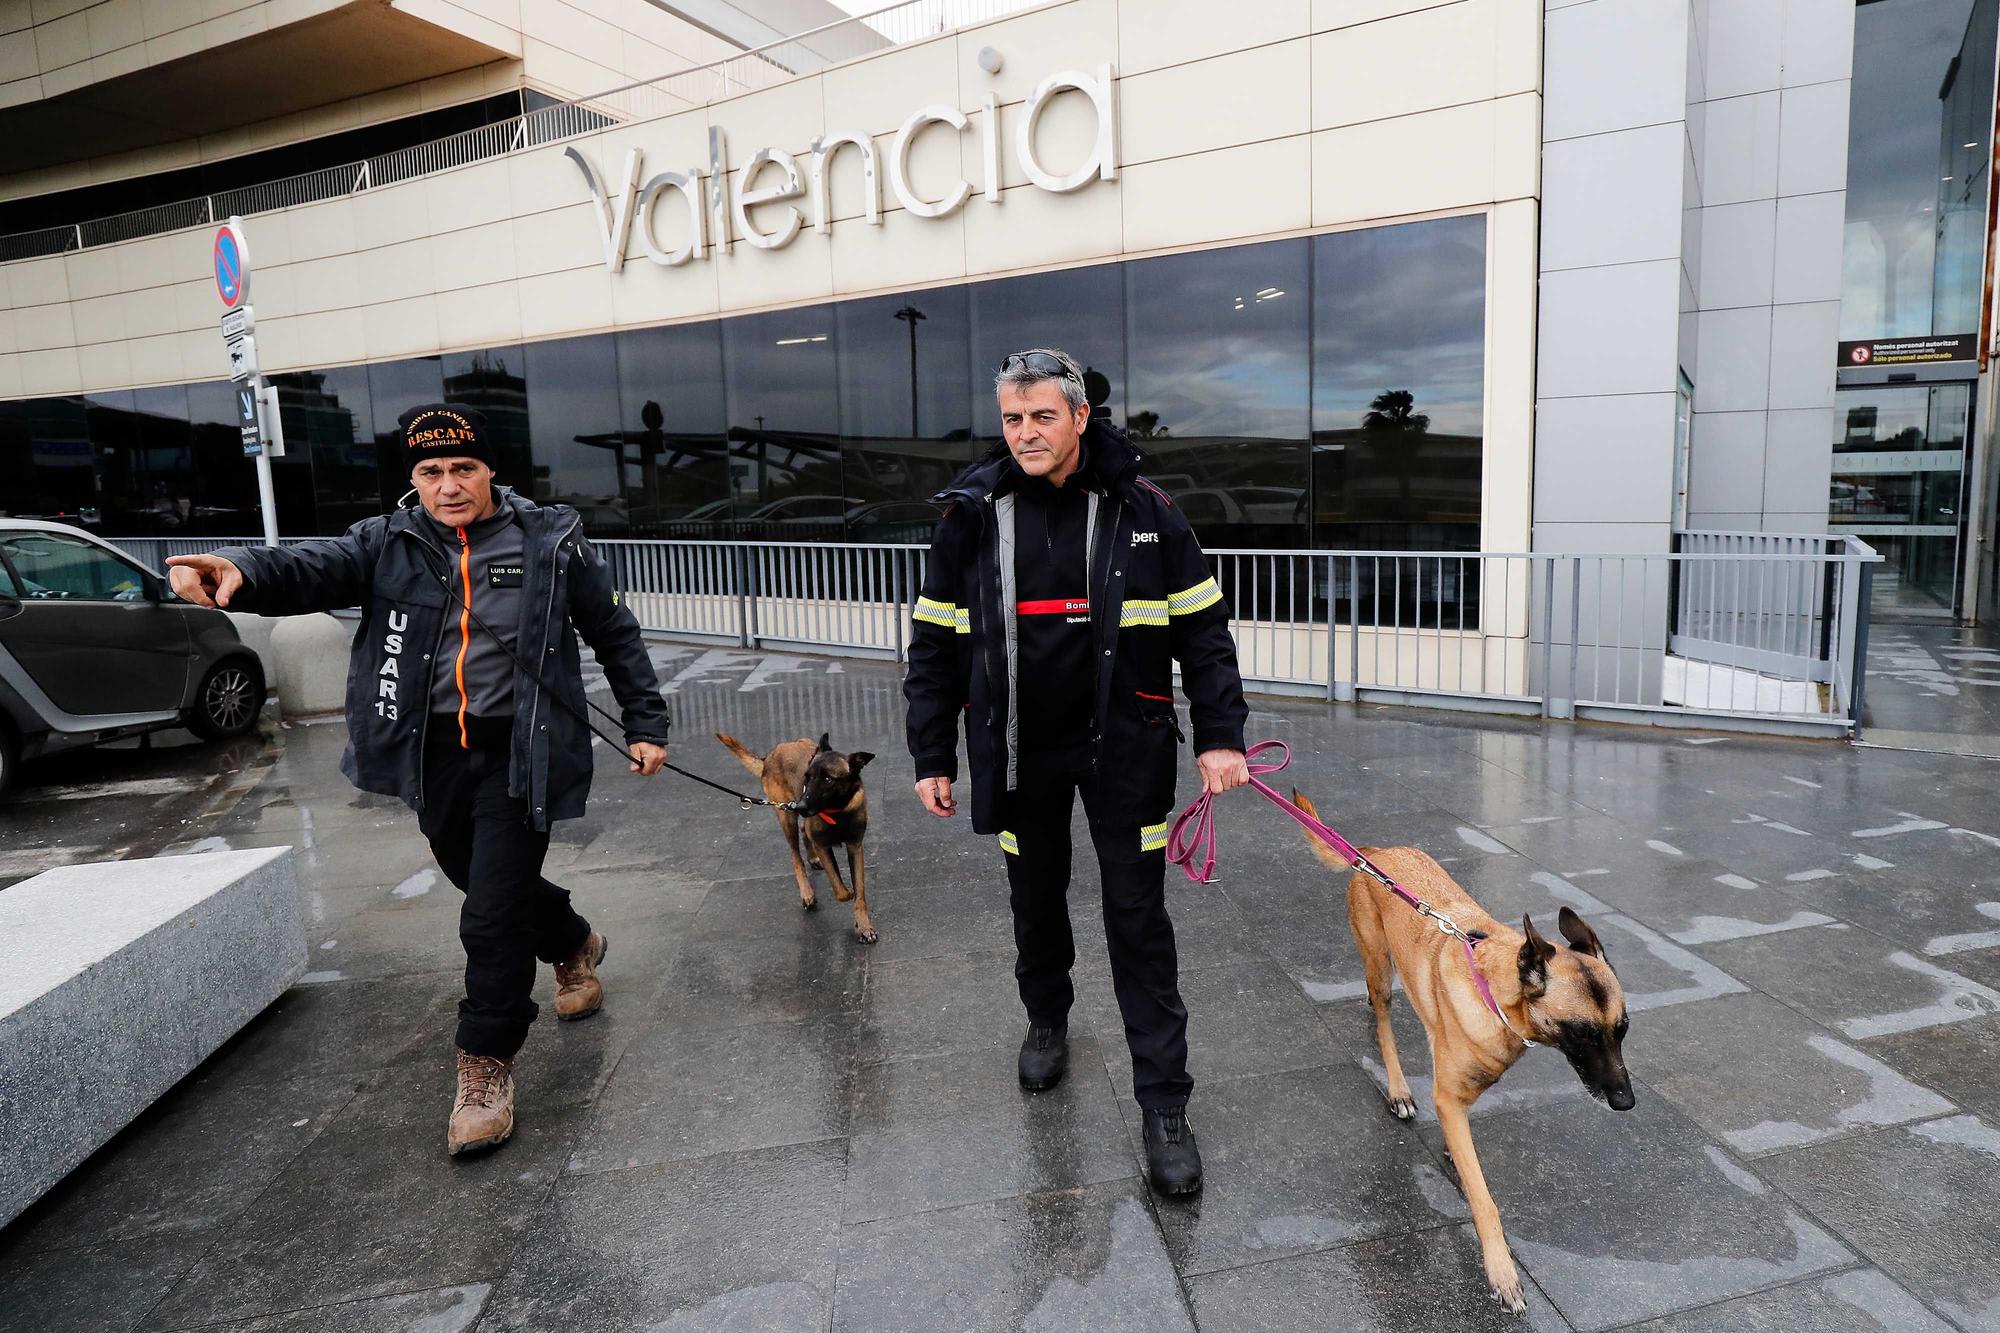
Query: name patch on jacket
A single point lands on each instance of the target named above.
(1074, 610)
(504, 576)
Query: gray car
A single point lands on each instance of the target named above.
(93, 647)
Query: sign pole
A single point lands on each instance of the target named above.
(262, 436)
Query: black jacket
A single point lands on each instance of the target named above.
(390, 567)
(1152, 603)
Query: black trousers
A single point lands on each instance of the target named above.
(1145, 971)
(511, 916)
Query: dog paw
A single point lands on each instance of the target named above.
(809, 904)
(1403, 1108)
(1507, 1291)
(866, 934)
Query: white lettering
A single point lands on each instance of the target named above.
(1102, 164)
(823, 152)
(719, 204)
(389, 667)
(614, 220)
(688, 183)
(385, 689)
(392, 644)
(899, 164)
(399, 621)
(749, 196)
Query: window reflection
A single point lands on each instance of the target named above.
(1321, 392)
(1399, 374)
(1898, 478)
(906, 409)
(1218, 388)
(672, 425)
(1919, 120)
(784, 426)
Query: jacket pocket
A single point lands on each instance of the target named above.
(1157, 710)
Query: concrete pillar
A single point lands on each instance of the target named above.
(310, 654)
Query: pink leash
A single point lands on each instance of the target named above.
(1193, 834)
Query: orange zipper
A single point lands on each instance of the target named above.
(464, 633)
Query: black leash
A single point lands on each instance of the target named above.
(619, 746)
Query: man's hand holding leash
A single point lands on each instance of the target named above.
(647, 758)
(1222, 770)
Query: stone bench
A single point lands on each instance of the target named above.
(116, 980)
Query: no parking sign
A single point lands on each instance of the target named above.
(232, 264)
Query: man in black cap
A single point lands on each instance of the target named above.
(473, 602)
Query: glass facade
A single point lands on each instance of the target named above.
(1913, 263)
(1314, 392)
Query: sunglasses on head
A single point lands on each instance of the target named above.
(1042, 363)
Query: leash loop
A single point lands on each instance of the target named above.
(1191, 845)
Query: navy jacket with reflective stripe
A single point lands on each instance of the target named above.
(1152, 602)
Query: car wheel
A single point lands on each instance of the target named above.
(230, 698)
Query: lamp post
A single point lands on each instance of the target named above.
(909, 314)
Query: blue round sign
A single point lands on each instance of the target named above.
(232, 265)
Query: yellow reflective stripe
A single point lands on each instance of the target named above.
(939, 613)
(1012, 845)
(1140, 611)
(1198, 598)
(962, 621)
(1152, 837)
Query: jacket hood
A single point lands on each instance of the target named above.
(1112, 458)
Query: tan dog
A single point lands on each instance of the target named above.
(818, 790)
(1565, 998)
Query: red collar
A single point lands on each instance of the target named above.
(828, 816)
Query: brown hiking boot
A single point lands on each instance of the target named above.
(482, 1115)
(579, 993)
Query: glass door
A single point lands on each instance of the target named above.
(1898, 484)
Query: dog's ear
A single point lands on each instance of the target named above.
(1535, 955)
(1579, 934)
(859, 760)
(825, 742)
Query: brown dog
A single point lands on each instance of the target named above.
(1565, 998)
(818, 790)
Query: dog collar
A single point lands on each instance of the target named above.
(828, 817)
(1470, 939)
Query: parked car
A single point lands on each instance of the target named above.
(94, 647)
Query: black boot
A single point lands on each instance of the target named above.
(1044, 1057)
(1172, 1159)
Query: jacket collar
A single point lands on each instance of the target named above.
(409, 511)
(1111, 459)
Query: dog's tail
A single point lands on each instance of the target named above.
(737, 748)
(1319, 849)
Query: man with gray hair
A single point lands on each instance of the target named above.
(1060, 590)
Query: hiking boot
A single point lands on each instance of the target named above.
(1044, 1057)
(482, 1115)
(579, 993)
(1173, 1162)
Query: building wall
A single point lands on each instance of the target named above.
(1695, 165)
(1299, 115)
(566, 50)
(1771, 171)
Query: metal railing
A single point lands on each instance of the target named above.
(758, 67)
(1762, 635)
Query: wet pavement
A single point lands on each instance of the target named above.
(775, 1127)
(1933, 686)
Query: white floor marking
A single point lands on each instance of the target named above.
(1890, 1099)
(767, 670)
(201, 845)
(1473, 838)
(1867, 862)
(1958, 998)
(1808, 876)
(321, 978)
(1664, 848)
(1802, 782)
(1707, 740)
(1737, 881)
(416, 886)
(1986, 838)
(1714, 929)
(1910, 824)
(90, 791)
(1972, 939)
